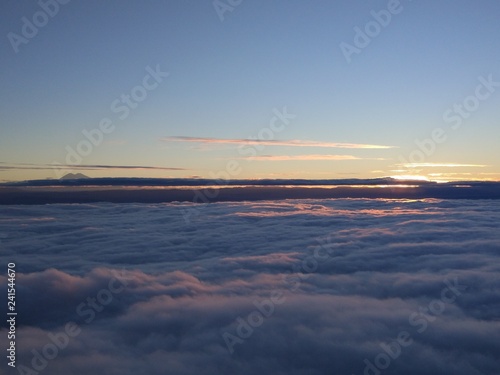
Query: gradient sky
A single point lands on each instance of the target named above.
(230, 73)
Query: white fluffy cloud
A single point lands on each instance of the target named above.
(348, 276)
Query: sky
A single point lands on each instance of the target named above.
(250, 89)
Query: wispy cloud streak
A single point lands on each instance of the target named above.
(308, 157)
(88, 167)
(282, 143)
(442, 165)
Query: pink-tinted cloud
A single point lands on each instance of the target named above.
(288, 143)
(308, 157)
(442, 165)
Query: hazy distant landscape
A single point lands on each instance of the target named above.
(207, 191)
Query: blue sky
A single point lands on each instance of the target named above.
(228, 77)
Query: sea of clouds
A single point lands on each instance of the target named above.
(309, 287)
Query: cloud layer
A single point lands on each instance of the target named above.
(347, 277)
(151, 190)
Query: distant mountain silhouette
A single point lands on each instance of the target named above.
(73, 176)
